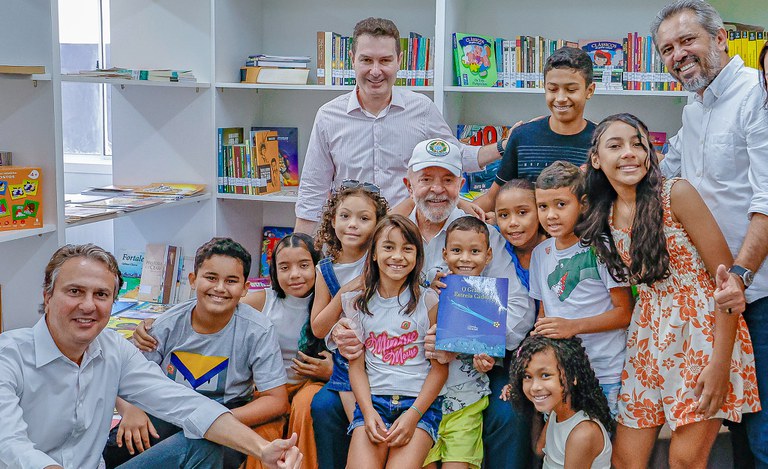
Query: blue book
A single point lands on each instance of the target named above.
(472, 315)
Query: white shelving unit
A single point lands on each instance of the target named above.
(167, 131)
(30, 127)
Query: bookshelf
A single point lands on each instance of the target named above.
(30, 127)
(167, 131)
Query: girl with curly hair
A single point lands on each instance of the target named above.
(345, 232)
(555, 376)
(689, 360)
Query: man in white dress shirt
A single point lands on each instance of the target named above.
(368, 134)
(722, 149)
(59, 380)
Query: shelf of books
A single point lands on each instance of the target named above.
(132, 82)
(477, 89)
(101, 210)
(283, 196)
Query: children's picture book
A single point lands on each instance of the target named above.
(607, 63)
(288, 149)
(171, 189)
(145, 310)
(659, 142)
(472, 315)
(120, 306)
(270, 237)
(130, 262)
(474, 60)
(265, 173)
(21, 198)
(479, 135)
(152, 273)
(125, 326)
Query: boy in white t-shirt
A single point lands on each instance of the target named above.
(467, 252)
(577, 293)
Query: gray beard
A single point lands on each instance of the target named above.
(435, 216)
(702, 81)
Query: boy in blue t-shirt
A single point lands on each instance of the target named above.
(563, 135)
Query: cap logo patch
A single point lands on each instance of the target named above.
(438, 148)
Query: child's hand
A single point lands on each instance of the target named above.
(711, 389)
(483, 362)
(555, 328)
(490, 218)
(401, 432)
(317, 368)
(506, 392)
(375, 428)
(353, 285)
(141, 337)
(134, 430)
(436, 283)
(430, 353)
(729, 292)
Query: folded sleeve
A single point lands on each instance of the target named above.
(316, 174)
(756, 127)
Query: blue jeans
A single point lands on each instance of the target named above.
(392, 407)
(330, 424)
(756, 424)
(611, 393)
(506, 430)
(179, 451)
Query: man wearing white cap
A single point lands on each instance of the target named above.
(433, 182)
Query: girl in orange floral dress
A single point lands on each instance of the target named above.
(689, 359)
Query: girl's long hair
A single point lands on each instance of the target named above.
(649, 258)
(371, 275)
(326, 234)
(577, 377)
(308, 343)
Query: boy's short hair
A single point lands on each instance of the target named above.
(469, 223)
(376, 27)
(223, 247)
(573, 58)
(562, 174)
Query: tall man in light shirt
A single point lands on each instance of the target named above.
(722, 149)
(433, 182)
(368, 134)
(59, 380)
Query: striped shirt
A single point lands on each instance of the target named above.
(534, 146)
(349, 143)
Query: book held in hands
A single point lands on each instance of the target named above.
(472, 315)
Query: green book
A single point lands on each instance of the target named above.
(474, 60)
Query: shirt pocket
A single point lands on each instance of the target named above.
(719, 156)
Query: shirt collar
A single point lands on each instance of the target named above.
(722, 81)
(47, 351)
(397, 100)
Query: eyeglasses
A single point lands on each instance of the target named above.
(354, 183)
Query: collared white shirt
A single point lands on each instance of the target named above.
(520, 307)
(54, 412)
(722, 150)
(347, 142)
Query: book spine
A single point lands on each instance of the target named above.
(321, 57)
(456, 59)
(499, 51)
(220, 162)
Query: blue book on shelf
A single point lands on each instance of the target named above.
(472, 315)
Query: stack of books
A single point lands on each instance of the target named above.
(167, 75)
(277, 69)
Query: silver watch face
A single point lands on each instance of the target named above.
(748, 277)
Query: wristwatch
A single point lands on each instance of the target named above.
(500, 147)
(747, 276)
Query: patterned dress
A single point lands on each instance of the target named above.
(671, 337)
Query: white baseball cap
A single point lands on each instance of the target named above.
(436, 152)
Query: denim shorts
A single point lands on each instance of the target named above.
(340, 377)
(611, 392)
(391, 407)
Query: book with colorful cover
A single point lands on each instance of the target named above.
(152, 273)
(270, 237)
(265, 162)
(479, 135)
(258, 283)
(472, 315)
(227, 136)
(288, 149)
(474, 60)
(607, 62)
(125, 326)
(171, 189)
(21, 198)
(130, 262)
(145, 310)
(659, 142)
